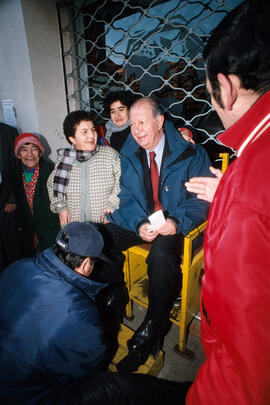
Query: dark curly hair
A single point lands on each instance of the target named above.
(124, 96)
(73, 119)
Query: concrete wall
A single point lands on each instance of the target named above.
(31, 71)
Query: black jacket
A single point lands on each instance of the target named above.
(118, 139)
(7, 163)
(42, 221)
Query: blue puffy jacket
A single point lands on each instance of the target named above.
(182, 161)
(50, 331)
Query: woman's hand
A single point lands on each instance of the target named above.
(64, 217)
(103, 218)
(10, 207)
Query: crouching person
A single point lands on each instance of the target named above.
(51, 335)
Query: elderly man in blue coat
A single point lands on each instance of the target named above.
(51, 335)
(155, 162)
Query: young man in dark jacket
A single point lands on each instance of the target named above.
(50, 330)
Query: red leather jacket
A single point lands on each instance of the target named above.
(235, 307)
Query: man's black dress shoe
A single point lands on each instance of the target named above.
(148, 333)
(148, 339)
(145, 336)
(134, 359)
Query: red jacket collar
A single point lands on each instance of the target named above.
(238, 132)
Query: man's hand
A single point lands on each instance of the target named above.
(169, 228)
(205, 187)
(146, 235)
(64, 217)
(187, 135)
(10, 207)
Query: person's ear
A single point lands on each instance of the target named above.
(72, 140)
(229, 86)
(86, 268)
(160, 121)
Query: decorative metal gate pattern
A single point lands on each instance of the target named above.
(151, 47)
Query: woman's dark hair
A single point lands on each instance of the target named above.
(70, 259)
(124, 96)
(240, 45)
(73, 119)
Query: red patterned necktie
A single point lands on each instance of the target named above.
(154, 180)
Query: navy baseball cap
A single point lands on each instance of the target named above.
(84, 239)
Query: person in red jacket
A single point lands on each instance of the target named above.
(235, 303)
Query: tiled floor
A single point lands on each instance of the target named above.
(175, 367)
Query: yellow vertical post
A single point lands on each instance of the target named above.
(225, 161)
(126, 270)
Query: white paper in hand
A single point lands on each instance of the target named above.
(156, 220)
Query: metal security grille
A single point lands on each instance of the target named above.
(153, 48)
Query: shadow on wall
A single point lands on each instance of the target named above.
(46, 146)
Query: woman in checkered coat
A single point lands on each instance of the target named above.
(84, 184)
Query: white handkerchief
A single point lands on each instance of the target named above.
(156, 220)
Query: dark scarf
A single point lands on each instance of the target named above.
(111, 128)
(61, 178)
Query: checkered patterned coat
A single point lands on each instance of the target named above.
(93, 187)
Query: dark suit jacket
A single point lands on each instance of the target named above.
(7, 163)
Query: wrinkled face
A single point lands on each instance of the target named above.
(85, 137)
(29, 155)
(145, 128)
(119, 113)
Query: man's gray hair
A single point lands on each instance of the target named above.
(154, 104)
(156, 109)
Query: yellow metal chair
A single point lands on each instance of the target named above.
(135, 270)
(137, 284)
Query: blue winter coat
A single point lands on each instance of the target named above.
(182, 161)
(50, 331)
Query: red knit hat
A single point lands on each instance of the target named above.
(25, 138)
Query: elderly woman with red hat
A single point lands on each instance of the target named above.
(37, 225)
